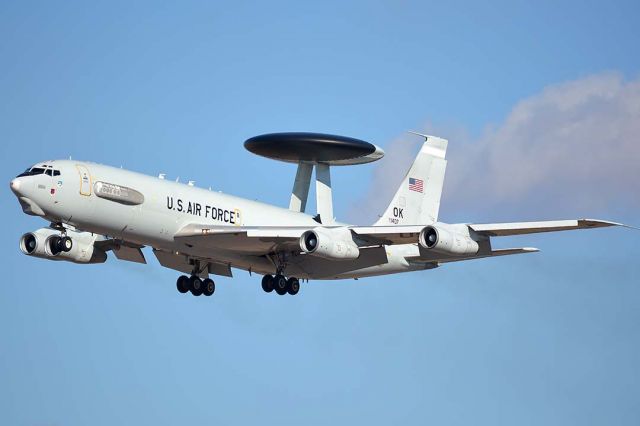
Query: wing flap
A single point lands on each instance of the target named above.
(498, 252)
(428, 257)
(131, 254)
(181, 263)
(404, 234)
(250, 240)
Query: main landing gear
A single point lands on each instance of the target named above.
(281, 284)
(195, 285)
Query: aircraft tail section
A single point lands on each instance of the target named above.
(417, 200)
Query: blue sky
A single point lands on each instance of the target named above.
(546, 338)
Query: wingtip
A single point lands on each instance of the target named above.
(629, 226)
(597, 223)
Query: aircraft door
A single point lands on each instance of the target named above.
(85, 180)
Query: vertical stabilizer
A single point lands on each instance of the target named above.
(417, 200)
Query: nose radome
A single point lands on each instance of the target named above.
(15, 185)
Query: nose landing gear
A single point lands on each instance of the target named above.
(58, 244)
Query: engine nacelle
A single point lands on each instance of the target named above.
(41, 243)
(447, 241)
(334, 243)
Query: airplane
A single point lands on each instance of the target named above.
(93, 209)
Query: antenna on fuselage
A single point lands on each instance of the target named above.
(162, 176)
(191, 182)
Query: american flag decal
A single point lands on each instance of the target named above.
(416, 184)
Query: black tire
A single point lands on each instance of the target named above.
(183, 284)
(195, 285)
(293, 286)
(208, 287)
(66, 244)
(267, 283)
(55, 245)
(280, 284)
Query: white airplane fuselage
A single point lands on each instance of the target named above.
(72, 199)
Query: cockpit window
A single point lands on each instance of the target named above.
(32, 172)
(56, 172)
(49, 172)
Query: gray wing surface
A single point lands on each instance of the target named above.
(181, 263)
(521, 228)
(249, 240)
(260, 240)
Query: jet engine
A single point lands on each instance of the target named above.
(447, 241)
(330, 243)
(47, 243)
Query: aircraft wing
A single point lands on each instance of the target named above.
(247, 239)
(409, 233)
(265, 239)
(520, 228)
(122, 249)
(438, 259)
(388, 235)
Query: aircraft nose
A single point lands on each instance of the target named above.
(15, 185)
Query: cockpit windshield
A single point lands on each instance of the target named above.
(32, 171)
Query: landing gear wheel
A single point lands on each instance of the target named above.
(293, 286)
(66, 244)
(208, 287)
(195, 285)
(55, 245)
(267, 283)
(183, 284)
(280, 284)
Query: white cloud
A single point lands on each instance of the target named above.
(574, 148)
